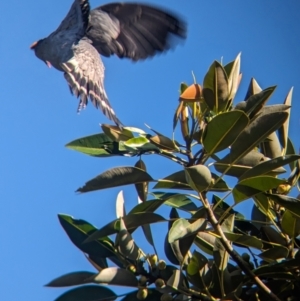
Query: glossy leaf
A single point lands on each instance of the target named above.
(274, 254)
(284, 130)
(205, 242)
(289, 203)
(221, 256)
(88, 293)
(255, 102)
(153, 295)
(132, 221)
(243, 164)
(115, 133)
(116, 276)
(223, 130)
(290, 224)
(233, 76)
(99, 145)
(270, 147)
(253, 88)
(79, 230)
(71, 279)
(249, 187)
(176, 180)
(182, 228)
(215, 87)
(125, 243)
(256, 132)
(141, 188)
(175, 200)
(196, 264)
(244, 240)
(115, 177)
(268, 166)
(120, 208)
(163, 142)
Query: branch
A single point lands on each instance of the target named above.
(234, 255)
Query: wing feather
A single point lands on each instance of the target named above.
(84, 73)
(136, 31)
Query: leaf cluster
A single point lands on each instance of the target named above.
(215, 253)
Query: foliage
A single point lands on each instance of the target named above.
(215, 253)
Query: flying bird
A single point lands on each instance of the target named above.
(128, 30)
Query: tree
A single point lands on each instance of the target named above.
(215, 253)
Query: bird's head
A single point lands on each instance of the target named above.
(38, 47)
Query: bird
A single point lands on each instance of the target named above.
(128, 30)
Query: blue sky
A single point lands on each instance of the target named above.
(38, 117)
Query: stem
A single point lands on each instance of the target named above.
(234, 255)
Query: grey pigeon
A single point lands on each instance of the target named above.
(131, 30)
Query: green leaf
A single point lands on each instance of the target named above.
(88, 293)
(244, 240)
(132, 221)
(99, 145)
(290, 224)
(270, 147)
(220, 184)
(116, 276)
(233, 73)
(284, 130)
(176, 180)
(243, 165)
(182, 228)
(163, 142)
(79, 230)
(251, 186)
(115, 177)
(268, 166)
(221, 256)
(215, 87)
(253, 88)
(223, 130)
(256, 132)
(148, 206)
(274, 254)
(153, 295)
(196, 264)
(205, 242)
(175, 200)
(70, 279)
(198, 177)
(256, 101)
(126, 245)
(137, 142)
(289, 203)
(115, 133)
(141, 188)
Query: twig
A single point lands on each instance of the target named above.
(234, 255)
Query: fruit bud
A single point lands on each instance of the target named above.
(143, 280)
(142, 294)
(161, 265)
(153, 260)
(159, 283)
(131, 268)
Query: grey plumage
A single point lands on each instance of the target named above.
(131, 30)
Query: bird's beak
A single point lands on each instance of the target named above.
(32, 46)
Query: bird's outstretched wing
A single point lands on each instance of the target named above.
(84, 73)
(132, 30)
(76, 20)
